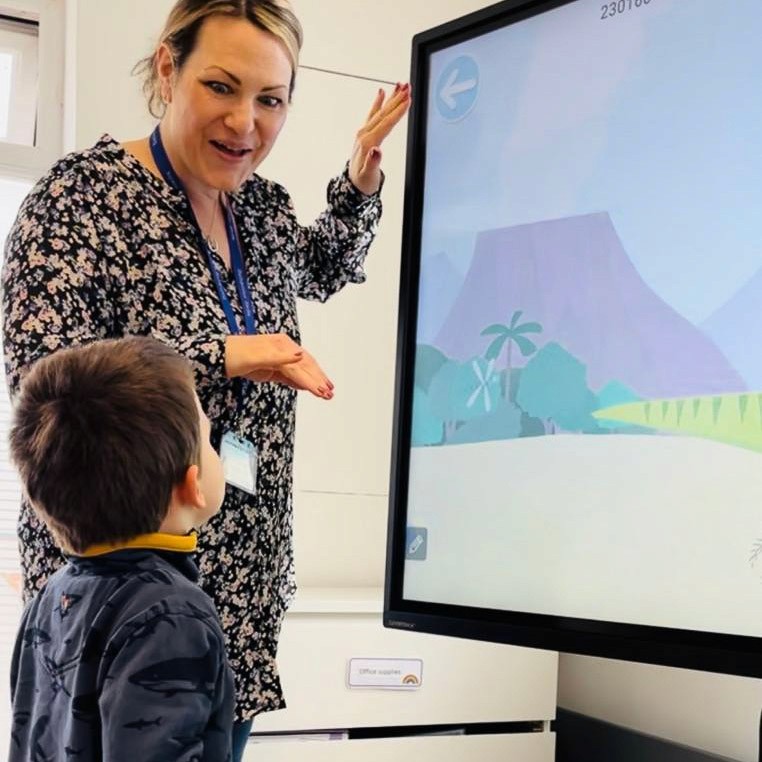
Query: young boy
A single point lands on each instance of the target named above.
(121, 655)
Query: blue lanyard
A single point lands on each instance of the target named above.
(236, 258)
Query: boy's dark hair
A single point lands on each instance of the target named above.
(101, 434)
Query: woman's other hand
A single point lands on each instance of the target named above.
(277, 358)
(384, 114)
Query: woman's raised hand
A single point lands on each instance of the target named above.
(384, 114)
(275, 357)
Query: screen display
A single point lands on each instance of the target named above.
(584, 406)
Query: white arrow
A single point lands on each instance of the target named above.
(452, 89)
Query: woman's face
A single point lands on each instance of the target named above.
(226, 105)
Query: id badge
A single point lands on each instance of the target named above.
(239, 461)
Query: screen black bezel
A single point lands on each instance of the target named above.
(714, 652)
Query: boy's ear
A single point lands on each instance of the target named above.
(188, 490)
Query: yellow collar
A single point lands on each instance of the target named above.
(185, 543)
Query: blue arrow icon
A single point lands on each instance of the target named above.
(457, 88)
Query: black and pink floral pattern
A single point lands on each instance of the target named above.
(103, 248)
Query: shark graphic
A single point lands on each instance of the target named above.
(34, 637)
(182, 675)
(145, 629)
(142, 724)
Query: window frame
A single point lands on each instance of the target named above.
(29, 162)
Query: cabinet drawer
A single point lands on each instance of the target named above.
(463, 681)
(532, 747)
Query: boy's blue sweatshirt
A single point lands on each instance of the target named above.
(121, 657)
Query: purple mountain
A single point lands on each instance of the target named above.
(574, 277)
(736, 325)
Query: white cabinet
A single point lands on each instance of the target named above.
(463, 682)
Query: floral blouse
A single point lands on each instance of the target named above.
(103, 248)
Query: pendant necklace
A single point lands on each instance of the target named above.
(211, 242)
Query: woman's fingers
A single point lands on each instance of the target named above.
(379, 125)
(299, 381)
(391, 112)
(303, 374)
(276, 349)
(308, 375)
(262, 376)
(378, 101)
(383, 126)
(245, 354)
(274, 377)
(365, 162)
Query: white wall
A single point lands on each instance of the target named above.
(343, 447)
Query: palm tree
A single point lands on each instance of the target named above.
(510, 334)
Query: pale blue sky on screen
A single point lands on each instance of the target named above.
(654, 115)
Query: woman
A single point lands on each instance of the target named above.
(173, 235)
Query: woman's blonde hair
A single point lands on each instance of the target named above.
(184, 22)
